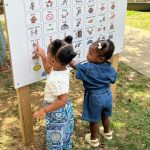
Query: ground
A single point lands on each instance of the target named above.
(130, 120)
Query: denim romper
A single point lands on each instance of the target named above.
(97, 97)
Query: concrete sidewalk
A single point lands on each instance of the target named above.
(137, 50)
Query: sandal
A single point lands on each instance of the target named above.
(94, 143)
(107, 136)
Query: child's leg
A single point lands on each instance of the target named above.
(67, 145)
(106, 124)
(94, 130)
(59, 128)
(92, 138)
(67, 139)
(105, 131)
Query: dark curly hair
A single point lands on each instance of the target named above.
(62, 50)
(105, 48)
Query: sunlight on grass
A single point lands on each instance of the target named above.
(138, 19)
(6, 140)
(142, 95)
(118, 124)
(2, 20)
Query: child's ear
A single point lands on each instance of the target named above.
(53, 60)
(101, 59)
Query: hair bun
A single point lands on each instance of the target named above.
(68, 39)
(73, 54)
(104, 44)
(57, 43)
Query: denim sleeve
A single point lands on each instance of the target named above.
(81, 71)
(113, 76)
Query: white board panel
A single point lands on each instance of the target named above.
(41, 21)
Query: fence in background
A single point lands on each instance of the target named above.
(139, 5)
(138, 1)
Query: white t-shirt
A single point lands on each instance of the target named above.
(57, 84)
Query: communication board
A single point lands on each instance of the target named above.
(32, 22)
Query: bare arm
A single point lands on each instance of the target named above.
(60, 102)
(73, 64)
(47, 67)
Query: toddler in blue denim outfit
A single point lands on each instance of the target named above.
(97, 75)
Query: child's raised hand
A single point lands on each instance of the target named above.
(41, 113)
(40, 52)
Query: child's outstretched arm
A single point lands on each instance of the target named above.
(73, 64)
(60, 102)
(40, 52)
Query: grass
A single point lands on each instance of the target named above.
(138, 19)
(130, 120)
(2, 20)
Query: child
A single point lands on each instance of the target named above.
(3, 66)
(97, 74)
(57, 109)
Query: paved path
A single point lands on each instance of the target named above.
(137, 50)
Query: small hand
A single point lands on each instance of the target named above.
(41, 113)
(40, 52)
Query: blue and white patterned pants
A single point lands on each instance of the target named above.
(59, 128)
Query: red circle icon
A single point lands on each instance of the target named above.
(49, 16)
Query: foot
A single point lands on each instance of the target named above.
(94, 143)
(107, 136)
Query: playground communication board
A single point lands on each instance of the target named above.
(32, 22)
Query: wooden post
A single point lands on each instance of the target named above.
(24, 102)
(115, 61)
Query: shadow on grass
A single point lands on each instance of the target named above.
(130, 120)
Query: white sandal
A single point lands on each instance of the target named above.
(107, 136)
(94, 143)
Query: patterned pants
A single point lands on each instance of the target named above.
(59, 128)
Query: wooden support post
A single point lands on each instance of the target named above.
(115, 61)
(24, 102)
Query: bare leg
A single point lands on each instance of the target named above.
(94, 130)
(106, 124)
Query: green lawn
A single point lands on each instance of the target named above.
(138, 19)
(130, 120)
